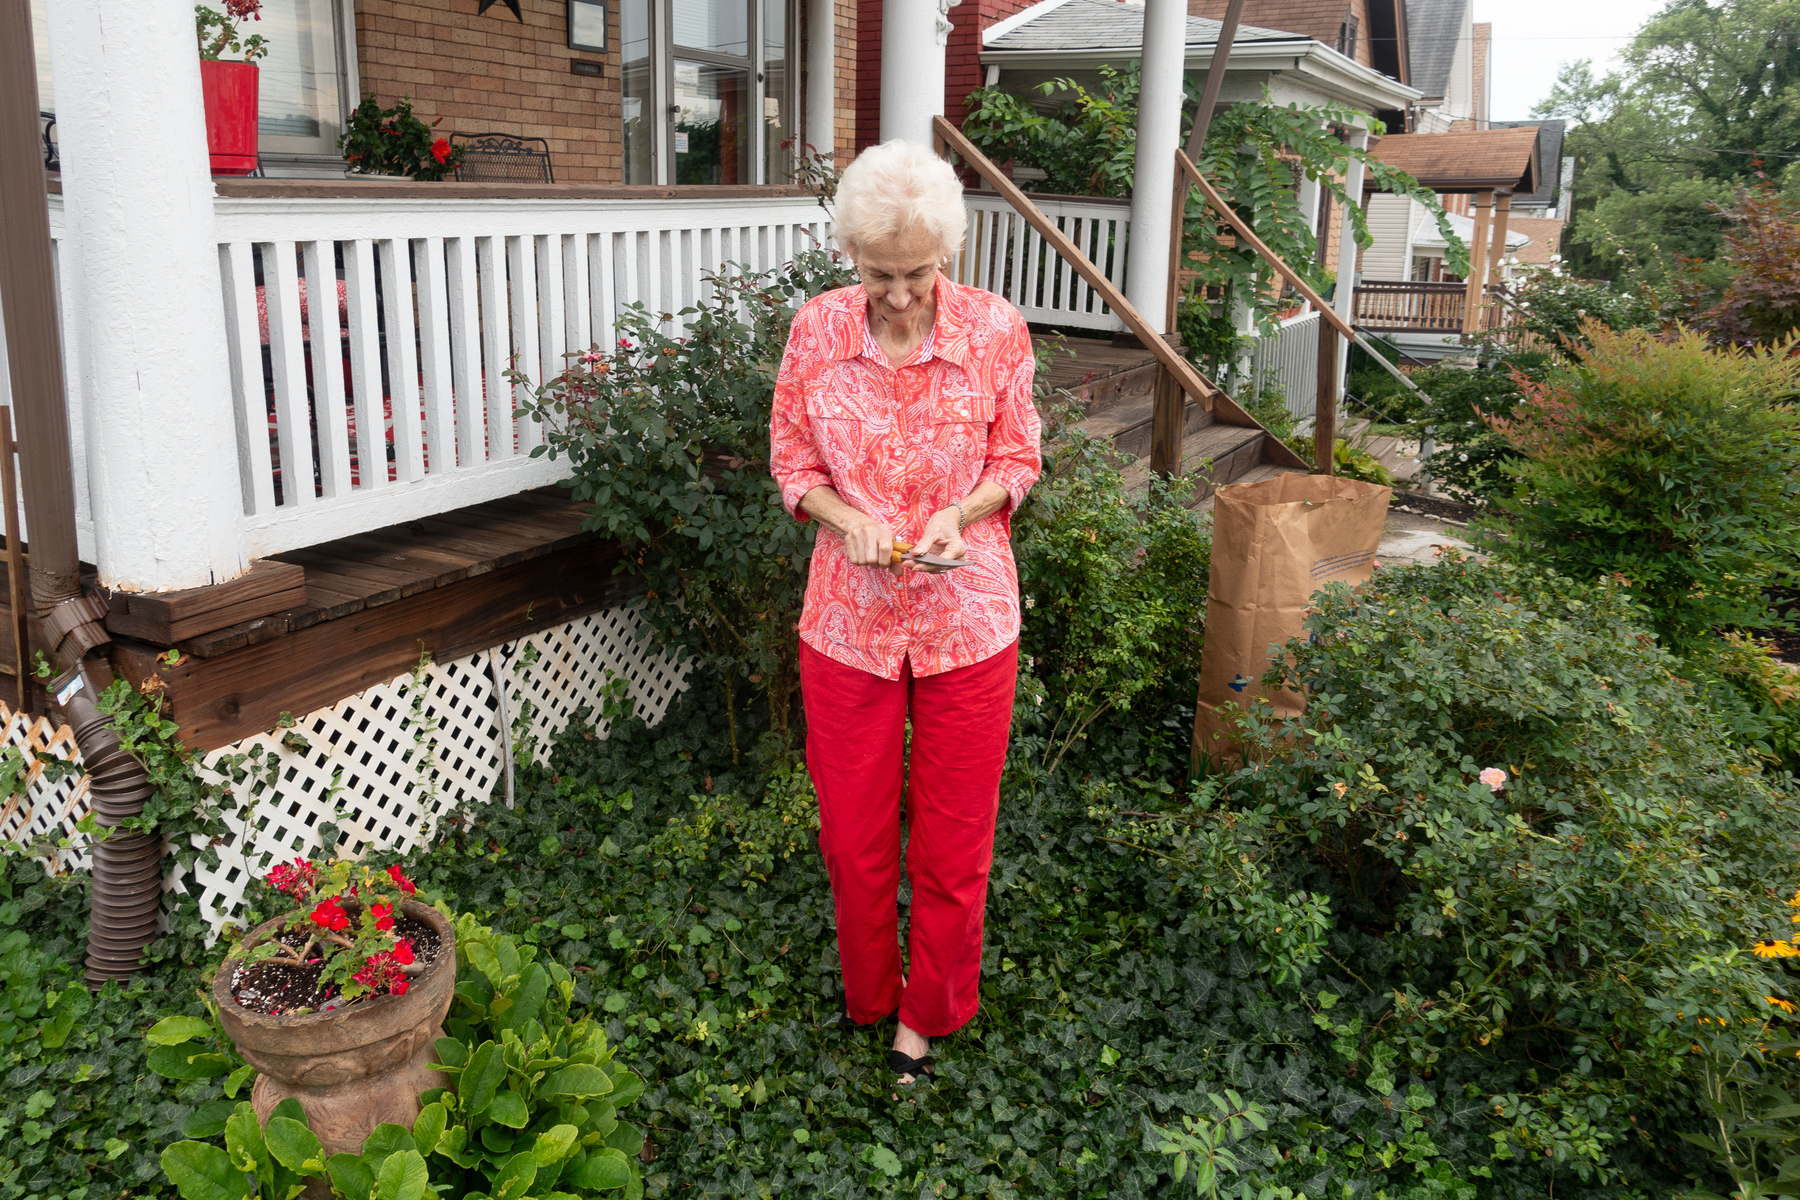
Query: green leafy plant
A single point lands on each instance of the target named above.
(187, 1047)
(1755, 1124)
(257, 1163)
(1114, 587)
(537, 1093)
(1348, 460)
(1559, 847)
(1255, 154)
(1203, 1144)
(391, 141)
(391, 1164)
(217, 31)
(1664, 461)
(667, 437)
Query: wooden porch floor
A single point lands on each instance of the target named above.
(364, 610)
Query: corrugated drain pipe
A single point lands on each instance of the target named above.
(126, 896)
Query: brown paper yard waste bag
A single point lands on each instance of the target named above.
(1275, 543)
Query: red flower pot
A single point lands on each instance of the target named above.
(229, 92)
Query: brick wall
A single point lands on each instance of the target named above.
(962, 60)
(489, 73)
(848, 47)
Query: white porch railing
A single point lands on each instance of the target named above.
(1003, 254)
(405, 412)
(434, 299)
(1289, 359)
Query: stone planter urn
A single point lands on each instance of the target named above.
(355, 1067)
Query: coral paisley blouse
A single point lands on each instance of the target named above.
(901, 444)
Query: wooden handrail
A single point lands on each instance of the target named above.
(1192, 382)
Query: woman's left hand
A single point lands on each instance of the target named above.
(941, 537)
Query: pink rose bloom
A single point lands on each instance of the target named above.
(1494, 777)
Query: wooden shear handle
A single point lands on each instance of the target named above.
(900, 549)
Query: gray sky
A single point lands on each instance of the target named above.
(1533, 38)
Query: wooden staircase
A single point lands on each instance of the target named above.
(1115, 387)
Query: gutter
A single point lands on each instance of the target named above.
(126, 894)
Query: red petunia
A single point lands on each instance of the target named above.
(406, 885)
(330, 915)
(383, 914)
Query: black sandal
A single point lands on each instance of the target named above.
(902, 1064)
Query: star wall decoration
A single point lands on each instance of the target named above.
(512, 4)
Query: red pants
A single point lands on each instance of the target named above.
(856, 750)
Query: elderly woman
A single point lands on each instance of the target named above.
(903, 417)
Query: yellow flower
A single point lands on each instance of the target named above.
(1795, 902)
(1771, 949)
(1784, 1005)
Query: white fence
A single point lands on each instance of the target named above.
(406, 412)
(1003, 254)
(1288, 359)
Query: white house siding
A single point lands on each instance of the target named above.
(1391, 221)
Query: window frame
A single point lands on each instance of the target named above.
(302, 163)
(663, 54)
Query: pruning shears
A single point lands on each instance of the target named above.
(904, 552)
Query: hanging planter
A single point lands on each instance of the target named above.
(229, 91)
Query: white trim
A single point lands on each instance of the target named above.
(1000, 29)
(1313, 61)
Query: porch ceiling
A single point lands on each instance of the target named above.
(1475, 160)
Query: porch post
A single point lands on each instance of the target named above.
(142, 260)
(1344, 299)
(1472, 293)
(1158, 137)
(1497, 249)
(913, 36)
(821, 76)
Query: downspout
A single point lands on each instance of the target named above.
(126, 894)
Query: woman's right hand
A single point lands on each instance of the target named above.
(869, 543)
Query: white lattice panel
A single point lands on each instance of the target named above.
(564, 669)
(44, 810)
(383, 765)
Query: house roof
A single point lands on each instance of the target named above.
(1545, 234)
(1467, 161)
(1427, 237)
(1550, 141)
(1320, 20)
(1433, 28)
(1103, 25)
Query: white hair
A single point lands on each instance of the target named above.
(898, 186)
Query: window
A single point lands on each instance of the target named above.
(302, 96)
(706, 90)
(1347, 37)
(304, 87)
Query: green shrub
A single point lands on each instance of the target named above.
(534, 1108)
(667, 437)
(1558, 308)
(1113, 584)
(1666, 462)
(1562, 924)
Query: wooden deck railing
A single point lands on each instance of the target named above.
(1403, 306)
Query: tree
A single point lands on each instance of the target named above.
(1705, 95)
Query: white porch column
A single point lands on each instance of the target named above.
(821, 76)
(1344, 299)
(141, 257)
(1158, 137)
(913, 36)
